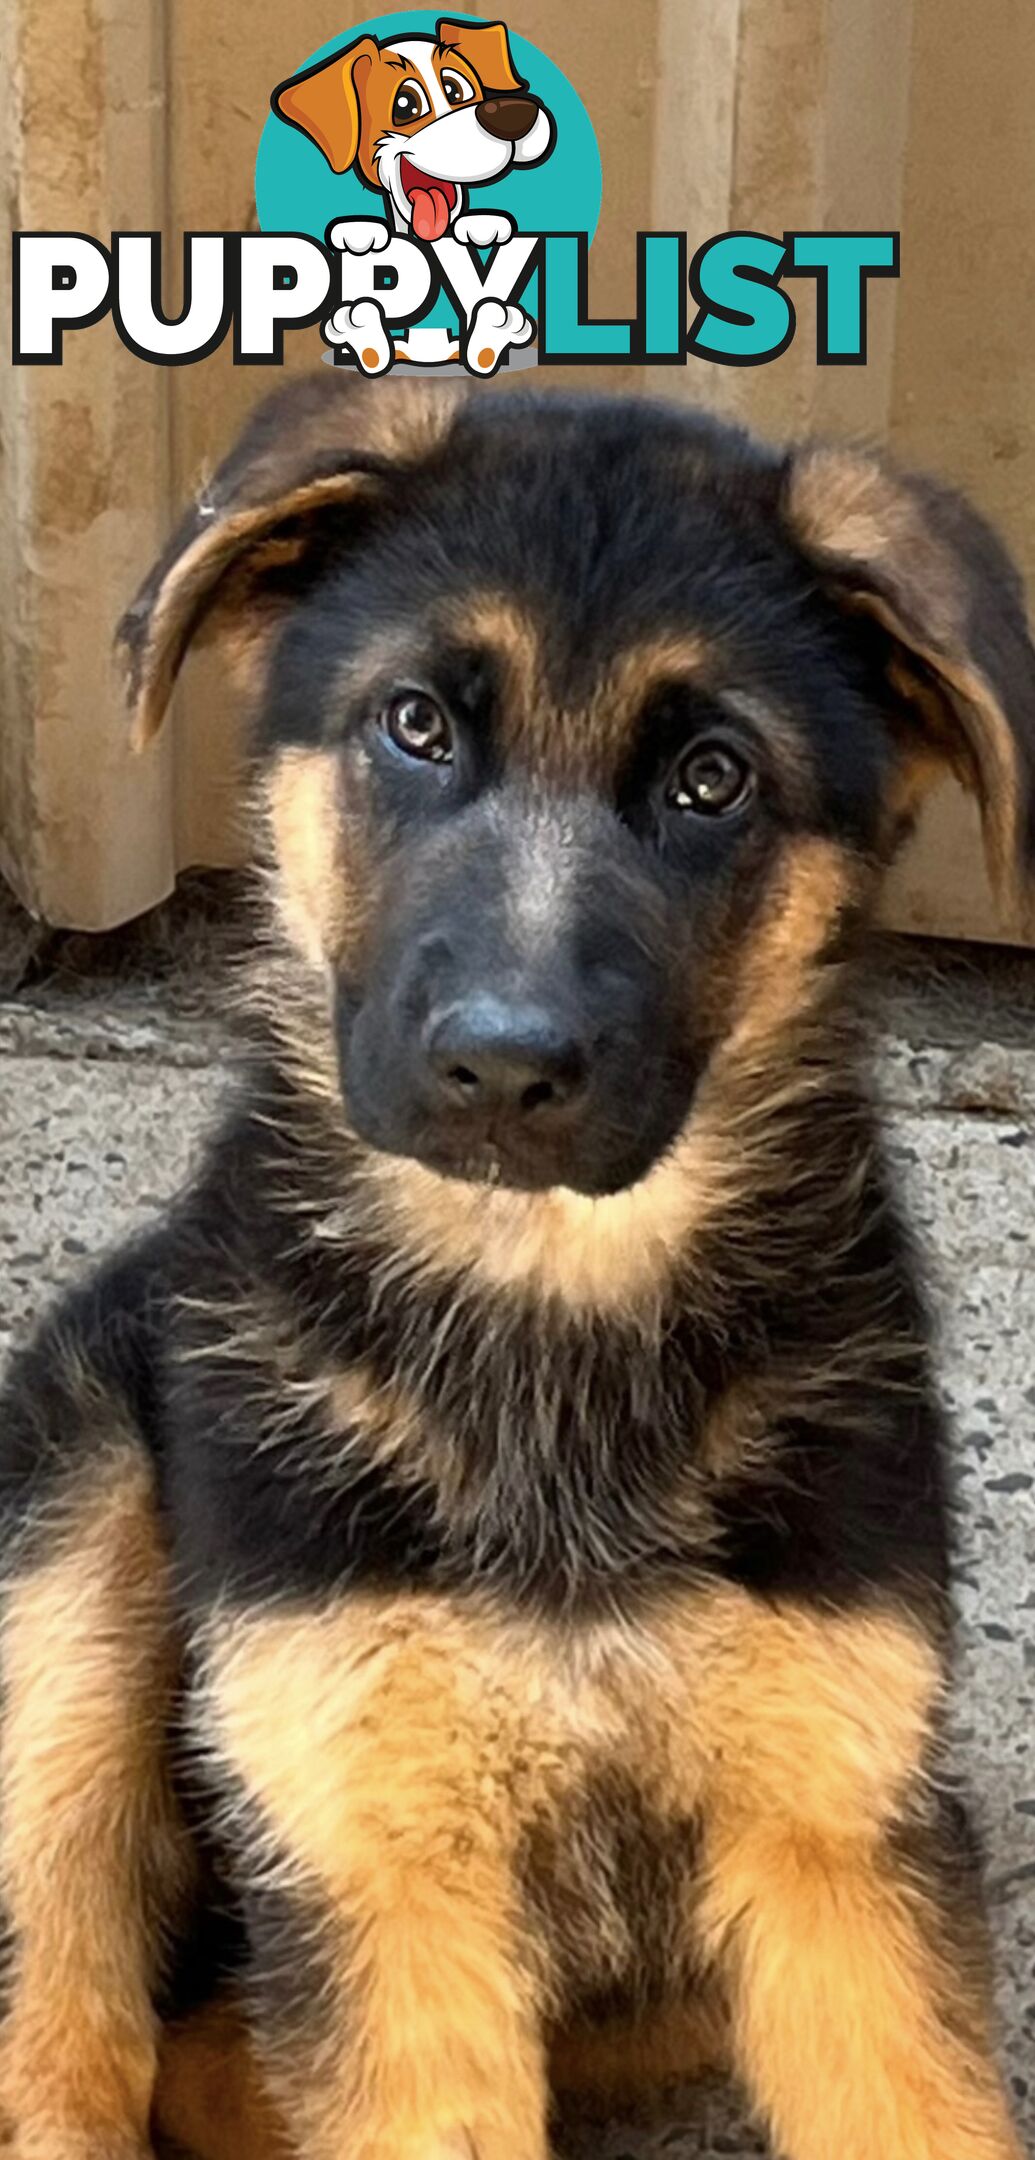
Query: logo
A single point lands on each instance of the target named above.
(431, 155)
(428, 189)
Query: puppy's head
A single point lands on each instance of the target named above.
(587, 731)
(421, 118)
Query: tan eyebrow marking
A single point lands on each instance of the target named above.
(600, 729)
(672, 657)
(578, 744)
(509, 630)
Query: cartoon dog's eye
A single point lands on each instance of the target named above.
(711, 779)
(418, 727)
(458, 91)
(410, 104)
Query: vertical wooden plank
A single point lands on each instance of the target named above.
(694, 122)
(17, 616)
(868, 84)
(610, 55)
(786, 114)
(963, 389)
(222, 64)
(85, 831)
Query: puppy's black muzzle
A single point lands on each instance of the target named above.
(530, 1053)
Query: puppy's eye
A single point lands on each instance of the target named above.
(458, 92)
(410, 104)
(711, 780)
(418, 727)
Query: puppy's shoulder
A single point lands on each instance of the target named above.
(87, 1379)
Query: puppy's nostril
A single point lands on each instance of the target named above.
(464, 1077)
(541, 1091)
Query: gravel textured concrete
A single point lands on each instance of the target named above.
(110, 1068)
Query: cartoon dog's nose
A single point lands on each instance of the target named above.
(490, 1056)
(508, 118)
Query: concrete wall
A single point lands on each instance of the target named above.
(711, 114)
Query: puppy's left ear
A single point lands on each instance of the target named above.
(961, 667)
(315, 457)
(486, 49)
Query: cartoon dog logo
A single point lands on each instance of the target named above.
(422, 120)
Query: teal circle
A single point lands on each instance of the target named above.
(296, 191)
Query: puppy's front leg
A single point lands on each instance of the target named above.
(840, 1903)
(398, 2007)
(853, 2031)
(94, 1862)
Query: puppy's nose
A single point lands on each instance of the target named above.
(490, 1056)
(508, 118)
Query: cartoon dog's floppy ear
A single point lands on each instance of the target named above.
(960, 663)
(324, 101)
(486, 49)
(320, 450)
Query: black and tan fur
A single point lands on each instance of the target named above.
(480, 1619)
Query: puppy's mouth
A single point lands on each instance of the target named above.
(506, 1166)
(432, 202)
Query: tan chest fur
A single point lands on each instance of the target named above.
(432, 1737)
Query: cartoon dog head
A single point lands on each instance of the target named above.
(421, 119)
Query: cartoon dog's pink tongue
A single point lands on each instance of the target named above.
(431, 201)
(430, 213)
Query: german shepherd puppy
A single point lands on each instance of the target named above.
(490, 1543)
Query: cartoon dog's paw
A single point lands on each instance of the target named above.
(358, 235)
(483, 228)
(495, 327)
(360, 328)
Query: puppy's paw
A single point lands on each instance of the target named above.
(360, 328)
(483, 228)
(358, 236)
(495, 328)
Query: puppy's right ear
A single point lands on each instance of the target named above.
(309, 453)
(325, 101)
(960, 658)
